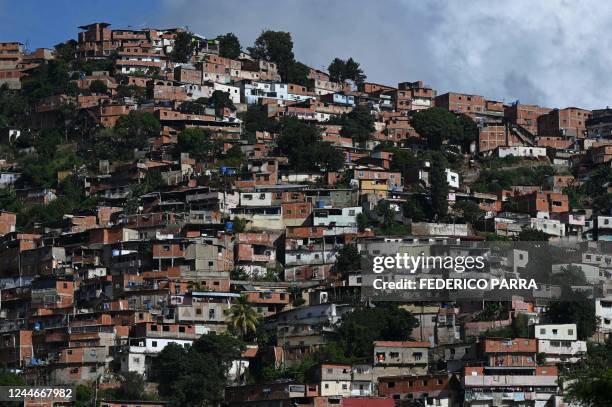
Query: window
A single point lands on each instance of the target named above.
(153, 327)
(154, 344)
(211, 314)
(394, 354)
(570, 331)
(166, 328)
(542, 331)
(554, 331)
(417, 355)
(390, 385)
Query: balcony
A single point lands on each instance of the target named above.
(172, 335)
(562, 347)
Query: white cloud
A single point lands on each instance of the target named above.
(553, 53)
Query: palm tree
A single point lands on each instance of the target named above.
(242, 317)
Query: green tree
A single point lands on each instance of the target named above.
(386, 215)
(239, 273)
(242, 318)
(46, 79)
(221, 100)
(256, 119)
(337, 70)
(439, 187)
(97, 86)
(199, 105)
(9, 202)
(196, 375)
(340, 71)
(275, 46)
(362, 222)
(532, 235)
(404, 161)
(354, 72)
(239, 224)
(184, 45)
(358, 124)
(197, 142)
(301, 143)
(493, 311)
(132, 386)
(591, 389)
(574, 307)
(570, 275)
(131, 91)
(10, 379)
(297, 73)
(415, 209)
(234, 157)
(295, 293)
(71, 198)
(136, 128)
(41, 169)
(590, 381)
(46, 144)
(229, 46)
(470, 211)
(468, 132)
(83, 395)
(13, 106)
(91, 65)
(520, 326)
(436, 125)
(355, 337)
(66, 51)
(348, 259)
(493, 180)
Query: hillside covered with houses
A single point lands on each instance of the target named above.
(184, 221)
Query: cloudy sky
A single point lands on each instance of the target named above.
(555, 53)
